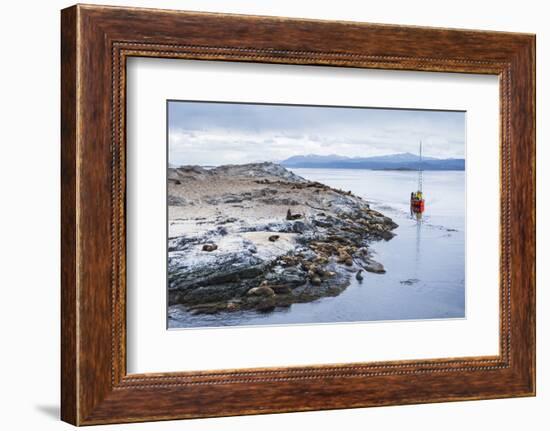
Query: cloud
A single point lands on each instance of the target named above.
(220, 133)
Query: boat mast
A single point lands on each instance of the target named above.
(420, 170)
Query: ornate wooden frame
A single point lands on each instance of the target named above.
(96, 41)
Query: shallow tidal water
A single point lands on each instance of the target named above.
(424, 262)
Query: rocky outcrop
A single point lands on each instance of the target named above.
(260, 237)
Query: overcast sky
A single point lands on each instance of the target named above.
(206, 133)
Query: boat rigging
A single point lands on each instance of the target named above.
(417, 197)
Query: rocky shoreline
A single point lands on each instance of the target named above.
(259, 237)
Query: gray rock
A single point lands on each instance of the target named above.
(291, 276)
(177, 201)
(374, 267)
(300, 227)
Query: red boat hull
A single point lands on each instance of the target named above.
(417, 205)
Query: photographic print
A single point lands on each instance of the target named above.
(298, 214)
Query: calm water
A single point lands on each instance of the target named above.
(424, 263)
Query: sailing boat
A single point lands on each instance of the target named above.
(417, 198)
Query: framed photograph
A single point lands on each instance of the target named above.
(262, 229)
(263, 214)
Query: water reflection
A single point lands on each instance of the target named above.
(417, 217)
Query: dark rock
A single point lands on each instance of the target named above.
(281, 289)
(222, 230)
(232, 199)
(266, 305)
(290, 216)
(261, 291)
(322, 223)
(227, 275)
(280, 201)
(316, 281)
(207, 294)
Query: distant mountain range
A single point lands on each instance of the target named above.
(402, 161)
